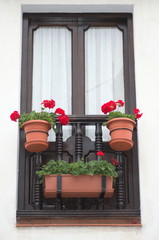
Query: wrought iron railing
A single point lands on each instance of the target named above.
(79, 142)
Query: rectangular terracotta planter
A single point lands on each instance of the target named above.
(78, 186)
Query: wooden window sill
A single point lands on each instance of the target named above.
(78, 225)
(57, 222)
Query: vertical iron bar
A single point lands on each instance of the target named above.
(103, 190)
(78, 152)
(79, 204)
(37, 183)
(59, 188)
(120, 182)
(78, 142)
(59, 141)
(59, 150)
(98, 139)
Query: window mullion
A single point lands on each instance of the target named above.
(78, 68)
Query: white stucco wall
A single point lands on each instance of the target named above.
(146, 42)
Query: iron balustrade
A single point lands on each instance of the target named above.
(83, 146)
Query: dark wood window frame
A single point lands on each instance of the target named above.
(29, 209)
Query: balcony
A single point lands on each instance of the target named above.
(123, 207)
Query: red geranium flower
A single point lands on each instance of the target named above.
(111, 106)
(14, 116)
(100, 153)
(114, 162)
(137, 113)
(108, 107)
(63, 119)
(48, 103)
(136, 110)
(120, 103)
(60, 111)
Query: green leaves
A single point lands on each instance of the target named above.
(119, 114)
(78, 168)
(46, 116)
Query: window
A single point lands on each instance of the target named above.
(91, 56)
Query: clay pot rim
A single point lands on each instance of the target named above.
(38, 121)
(121, 118)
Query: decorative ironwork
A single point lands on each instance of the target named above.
(98, 139)
(78, 203)
(78, 142)
(120, 193)
(37, 183)
(59, 142)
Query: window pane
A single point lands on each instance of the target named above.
(104, 67)
(104, 79)
(52, 67)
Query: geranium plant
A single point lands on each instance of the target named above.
(48, 116)
(78, 179)
(110, 106)
(120, 125)
(36, 125)
(94, 167)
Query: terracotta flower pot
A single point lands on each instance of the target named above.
(121, 130)
(77, 186)
(36, 135)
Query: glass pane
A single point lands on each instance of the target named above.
(104, 79)
(52, 68)
(104, 67)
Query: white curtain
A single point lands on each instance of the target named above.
(103, 70)
(52, 69)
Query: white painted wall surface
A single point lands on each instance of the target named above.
(146, 42)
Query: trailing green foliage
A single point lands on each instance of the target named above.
(94, 167)
(119, 114)
(46, 116)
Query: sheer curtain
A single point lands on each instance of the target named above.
(103, 70)
(52, 69)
